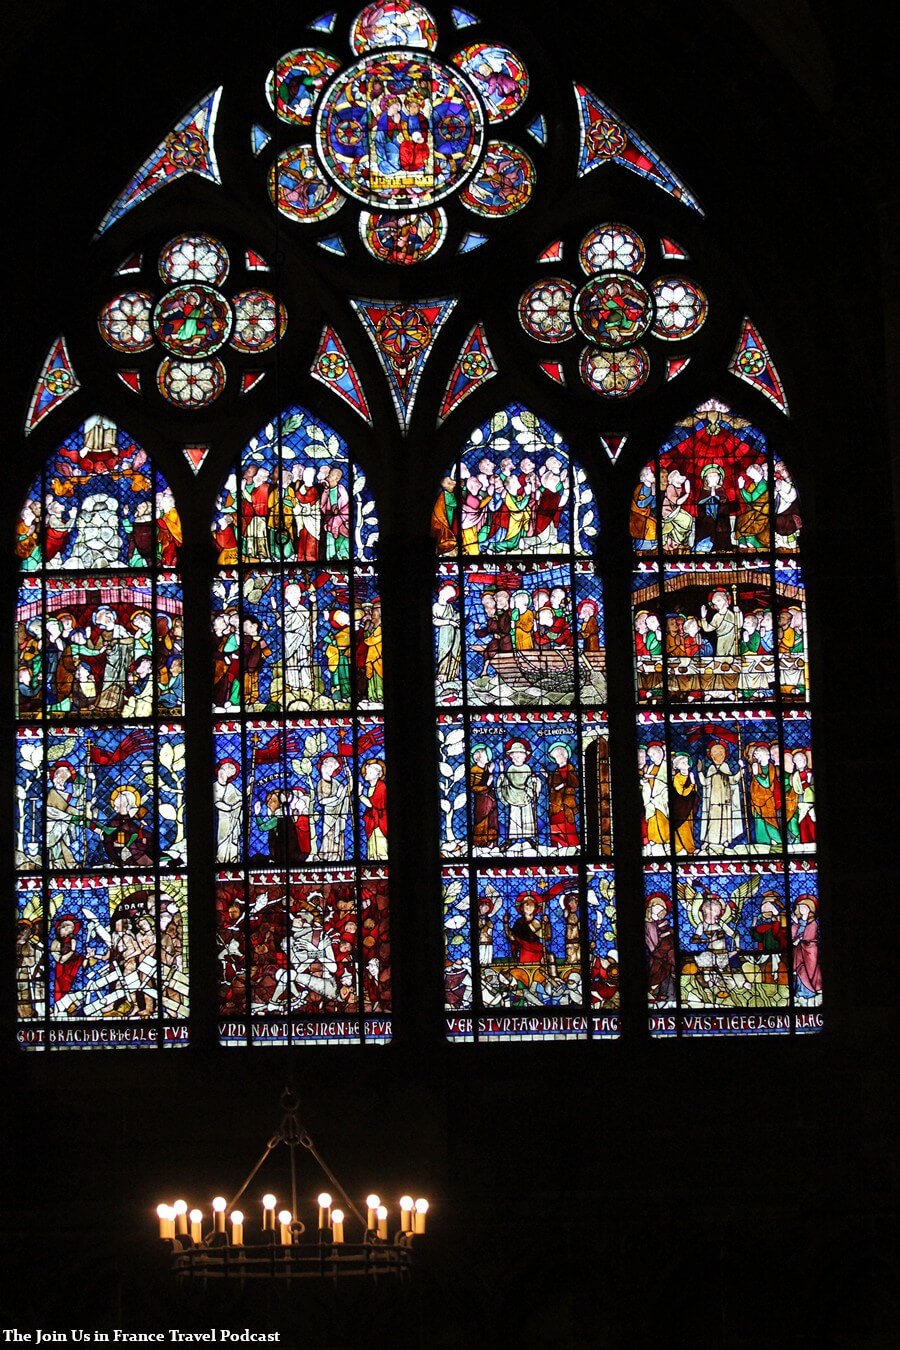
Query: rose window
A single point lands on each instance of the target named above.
(614, 311)
(398, 130)
(192, 321)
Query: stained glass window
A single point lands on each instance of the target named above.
(101, 942)
(520, 680)
(300, 790)
(401, 148)
(724, 745)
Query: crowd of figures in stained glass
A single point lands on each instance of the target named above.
(99, 827)
(300, 790)
(724, 742)
(520, 683)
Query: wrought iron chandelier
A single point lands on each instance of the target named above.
(344, 1243)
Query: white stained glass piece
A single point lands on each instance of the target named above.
(680, 308)
(545, 310)
(125, 323)
(254, 321)
(190, 384)
(611, 248)
(194, 257)
(614, 374)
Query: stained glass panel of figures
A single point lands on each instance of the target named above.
(724, 744)
(299, 791)
(101, 893)
(520, 683)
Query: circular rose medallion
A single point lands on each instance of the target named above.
(332, 365)
(393, 23)
(194, 257)
(751, 362)
(474, 365)
(503, 184)
(405, 238)
(399, 131)
(545, 310)
(614, 374)
(611, 248)
(680, 308)
(125, 323)
(297, 81)
(190, 384)
(499, 76)
(613, 309)
(403, 332)
(192, 321)
(254, 321)
(299, 189)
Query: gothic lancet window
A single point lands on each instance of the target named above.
(300, 778)
(102, 935)
(520, 669)
(724, 743)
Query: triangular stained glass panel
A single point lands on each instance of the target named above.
(255, 262)
(671, 251)
(133, 263)
(195, 455)
(188, 148)
(333, 243)
(605, 138)
(554, 370)
(475, 365)
(538, 130)
(614, 443)
(56, 382)
(463, 18)
(675, 365)
(332, 367)
(403, 333)
(471, 242)
(325, 22)
(259, 138)
(250, 379)
(131, 379)
(753, 364)
(552, 253)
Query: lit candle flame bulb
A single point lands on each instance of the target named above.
(179, 1209)
(196, 1217)
(337, 1225)
(421, 1211)
(237, 1228)
(372, 1203)
(406, 1211)
(284, 1219)
(382, 1216)
(269, 1202)
(166, 1216)
(324, 1210)
(220, 1204)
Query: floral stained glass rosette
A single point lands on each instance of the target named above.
(398, 131)
(613, 311)
(193, 320)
